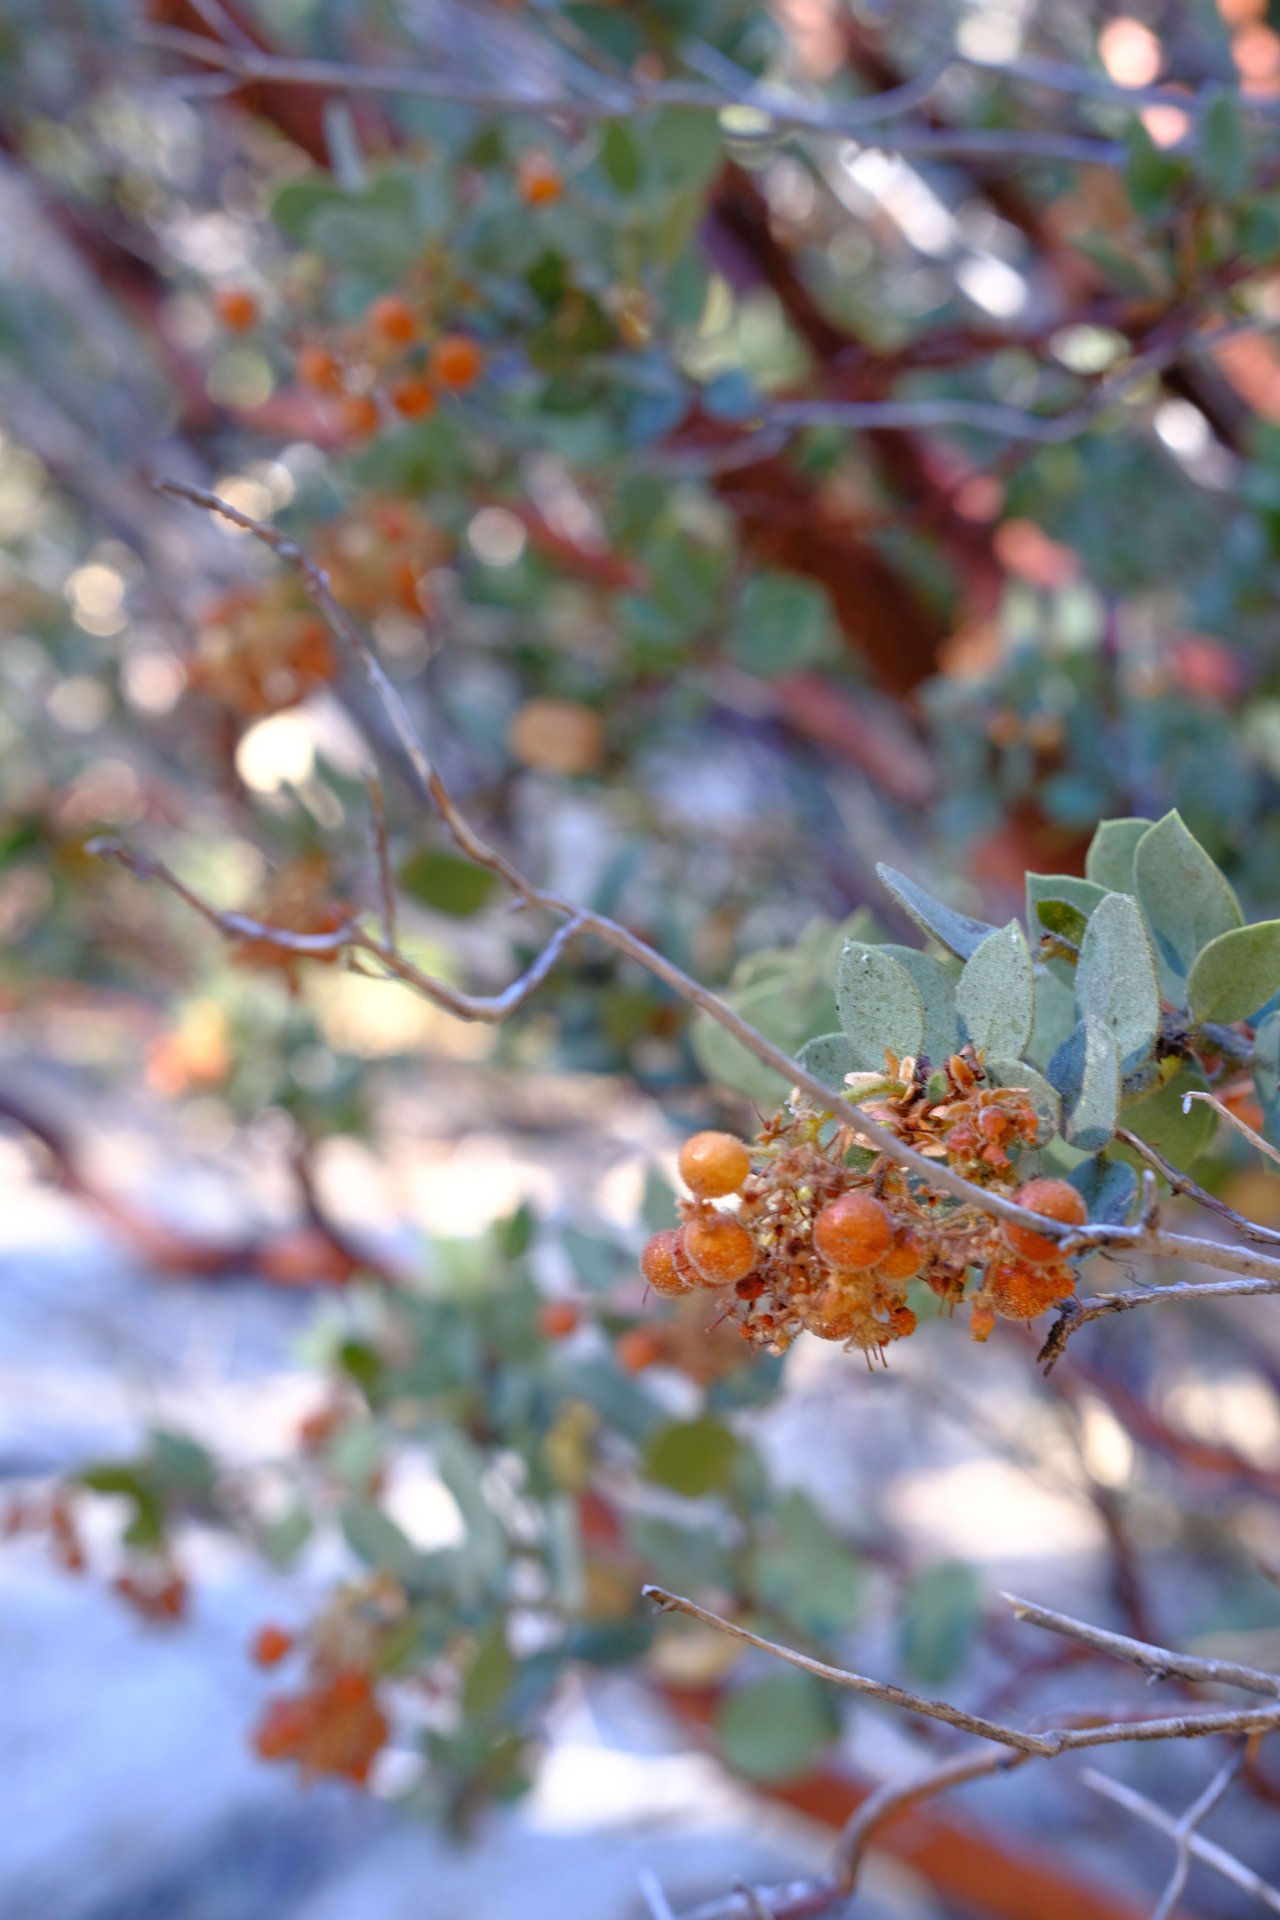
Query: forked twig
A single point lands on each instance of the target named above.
(1199, 1848)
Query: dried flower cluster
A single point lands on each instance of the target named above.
(334, 1723)
(825, 1240)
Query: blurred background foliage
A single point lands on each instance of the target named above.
(736, 501)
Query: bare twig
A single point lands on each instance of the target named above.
(870, 120)
(654, 1897)
(1159, 1663)
(1183, 1183)
(1233, 1119)
(382, 854)
(1201, 1849)
(892, 1799)
(1044, 1746)
(1199, 1810)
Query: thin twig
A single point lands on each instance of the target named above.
(1045, 1746)
(1183, 1183)
(1233, 1119)
(892, 1799)
(382, 854)
(869, 120)
(1199, 1810)
(1159, 1663)
(654, 1897)
(1203, 1850)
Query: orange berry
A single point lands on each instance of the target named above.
(237, 310)
(719, 1249)
(557, 1319)
(902, 1323)
(983, 1320)
(714, 1164)
(393, 320)
(834, 1319)
(1056, 1200)
(557, 736)
(538, 180)
(638, 1349)
(318, 368)
(905, 1257)
(663, 1264)
(457, 361)
(853, 1232)
(359, 416)
(1019, 1292)
(270, 1646)
(413, 397)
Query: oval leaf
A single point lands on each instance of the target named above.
(878, 1005)
(775, 1728)
(1108, 1188)
(1109, 861)
(958, 932)
(693, 1457)
(1236, 974)
(1086, 1072)
(995, 995)
(830, 1057)
(1116, 980)
(1186, 900)
(935, 982)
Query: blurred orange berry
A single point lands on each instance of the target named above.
(413, 397)
(393, 320)
(270, 1646)
(557, 736)
(237, 310)
(637, 1349)
(318, 368)
(358, 415)
(557, 1319)
(538, 180)
(457, 362)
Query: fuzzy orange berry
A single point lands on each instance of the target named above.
(663, 1264)
(905, 1257)
(719, 1249)
(902, 1323)
(413, 397)
(393, 320)
(637, 1349)
(237, 310)
(538, 180)
(457, 361)
(557, 1319)
(1019, 1291)
(318, 368)
(1056, 1200)
(714, 1164)
(270, 1646)
(853, 1232)
(358, 416)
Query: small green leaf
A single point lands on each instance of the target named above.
(995, 995)
(693, 1457)
(1159, 1119)
(783, 623)
(282, 1540)
(775, 1728)
(1048, 891)
(1043, 1097)
(804, 1571)
(1108, 1188)
(487, 1680)
(1222, 150)
(1186, 900)
(958, 932)
(445, 881)
(878, 1004)
(1236, 974)
(1109, 861)
(620, 158)
(374, 1537)
(1086, 1072)
(939, 1621)
(1116, 980)
(1150, 175)
(935, 982)
(830, 1057)
(1266, 1074)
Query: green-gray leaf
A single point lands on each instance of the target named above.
(1236, 974)
(1159, 1119)
(940, 1618)
(1116, 979)
(1266, 1074)
(958, 932)
(693, 1457)
(1186, 900)
(935, 982)
(878, 1004)
(775, 1728)
(1086, 1072)
(1107, 1187)
(1043, 888)
(1109, 861)
(830, 1057)
(995, 995)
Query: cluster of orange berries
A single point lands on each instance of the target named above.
(381, 555)
(335, 1723)
(389, 357)
(817, 1245)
